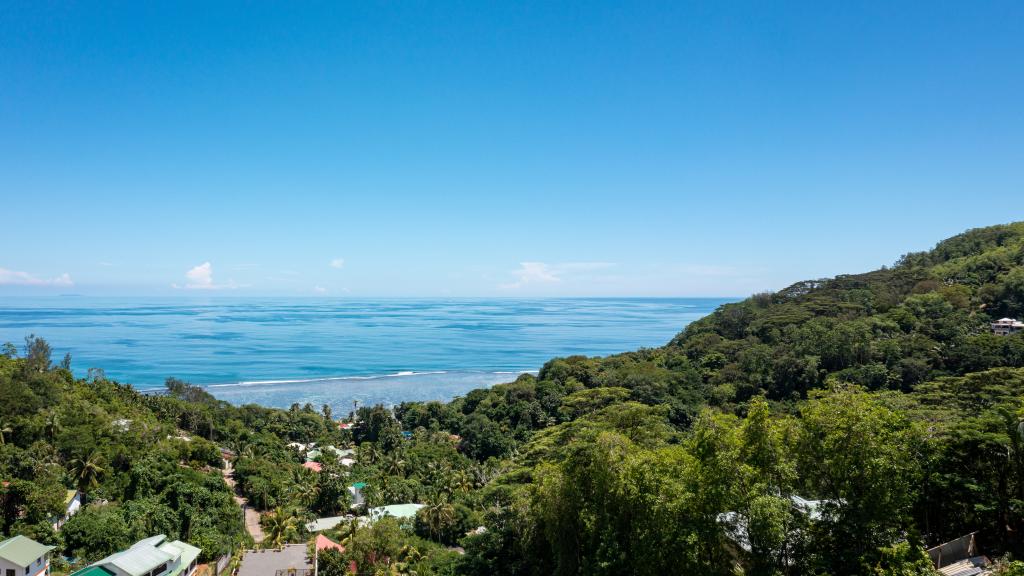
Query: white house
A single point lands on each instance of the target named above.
(21, 556)
(1007, 326)
(72, 504)
(154, 556)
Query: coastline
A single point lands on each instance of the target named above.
(339, 392)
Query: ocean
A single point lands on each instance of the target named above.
(279, 351)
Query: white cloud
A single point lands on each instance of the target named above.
(319, 289)
(543, 273)
(338, 263)
(201, 278)
(17, 278)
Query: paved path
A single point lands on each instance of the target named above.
(252, 517)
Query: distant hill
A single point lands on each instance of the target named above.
(892, 328)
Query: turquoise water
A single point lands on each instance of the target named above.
(279, 351)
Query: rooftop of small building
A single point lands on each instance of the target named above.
(268, 561)
(22, 551)
(396, 510)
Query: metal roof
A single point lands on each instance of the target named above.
(140, 559)
(22, 551)
(185, 553)
(270, 561)
(325, 523)
(396, 510)
(968, 567)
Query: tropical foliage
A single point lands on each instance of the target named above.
(839, 426)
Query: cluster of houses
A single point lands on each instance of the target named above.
(960, 557)
(158, 556)
(155, 556)
(345, 456)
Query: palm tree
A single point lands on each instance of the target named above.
(394, 465)
(5, 429)
(281, 526)
(52, 425)
(304, 488)
(439, 514)
(86, 471)
(369, 453)
(408, 556)
(459, 481)
(242, 448)
(348, 532)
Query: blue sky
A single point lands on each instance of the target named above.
(526, 148)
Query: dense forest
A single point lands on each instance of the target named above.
(883, 398)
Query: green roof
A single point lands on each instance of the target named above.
(93, 571)
(22, 551)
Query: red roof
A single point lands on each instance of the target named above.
(325, 543)
(314, 466)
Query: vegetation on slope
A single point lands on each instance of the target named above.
(882, 395)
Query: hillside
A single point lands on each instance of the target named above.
(893, 328)
(882, 398)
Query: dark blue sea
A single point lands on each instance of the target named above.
(277, 352)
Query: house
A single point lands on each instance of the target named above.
(326, 523)
(315, 453)
(21, 556)
(400, 511)
(325, 543)
(153, 556)
(1007, 326)
(314, 466)
(356, 493)
(344, 455)
(72, 504)
(290, 560)
(736, 527)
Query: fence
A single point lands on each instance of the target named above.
(294, 572)
(222, 564)
(954, 551)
